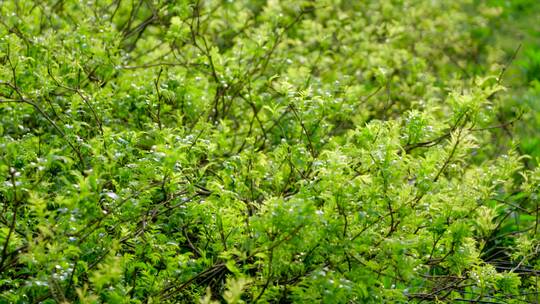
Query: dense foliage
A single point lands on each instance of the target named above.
(329, 151)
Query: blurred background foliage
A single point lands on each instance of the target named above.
(517, 31)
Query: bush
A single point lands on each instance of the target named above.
(260, 151)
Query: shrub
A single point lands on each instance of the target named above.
(260, 151)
